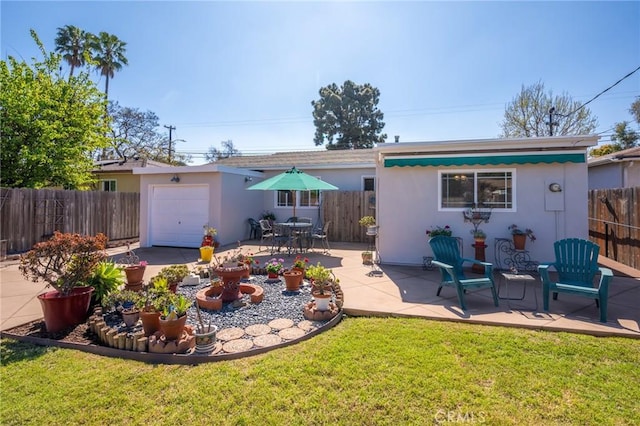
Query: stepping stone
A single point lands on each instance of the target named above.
(281, 323)
(237, 345)
(267, 340)
(306, 325)
(230, 333)
(291, 333)
(258, 329)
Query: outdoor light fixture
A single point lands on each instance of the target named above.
(248, 178)
(175, 178)
(555, 187)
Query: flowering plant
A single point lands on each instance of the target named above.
(300, 262)
(439, 230)
(274, 265)
(268, 215)
(209, 230)
(517, 231)
(247, 259)
(478, 233)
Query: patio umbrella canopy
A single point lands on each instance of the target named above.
(293, 180)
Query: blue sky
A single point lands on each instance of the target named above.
(248, 71)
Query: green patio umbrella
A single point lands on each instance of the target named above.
(293, 180)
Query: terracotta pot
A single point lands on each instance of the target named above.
(301, 271)
(137, 287)
(322, 301)
(172, 329)
(292, 280)
(61, 312)
(519, 241)
(134, 273)
(173, 287)
(272, 275)
(231, 282)
(130, 317)
(247, 274)
(367, 259)
(150, 322)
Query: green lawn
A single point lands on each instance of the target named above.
(369, 371)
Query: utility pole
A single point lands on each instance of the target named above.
(551, 123)
(170, 127)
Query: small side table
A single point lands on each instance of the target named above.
(525, 279)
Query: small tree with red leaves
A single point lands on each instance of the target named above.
(65, 261)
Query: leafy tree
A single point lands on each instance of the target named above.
(49, 126)
(349, 114)
(527, 115)
(228, 150)
(135, 133)
(623, 137)
(108, 52)
(73, 43)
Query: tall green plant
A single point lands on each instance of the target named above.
(106, 278)
(49, 126)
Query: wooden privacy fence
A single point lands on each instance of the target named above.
(614, 223)
(344, 209)
(28, 216)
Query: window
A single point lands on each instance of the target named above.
(284, 199)
(108, 185)
(464, 189)
(309, 198)
(368, 183)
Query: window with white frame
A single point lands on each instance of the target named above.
(368, 183)
(108, 185)
(464, 189)
(284, 199)
(309, 198)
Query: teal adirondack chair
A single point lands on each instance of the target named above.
(447, 257)
(577, 265)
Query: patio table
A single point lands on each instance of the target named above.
(525, 279)
(296, 231)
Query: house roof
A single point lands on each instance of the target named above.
(630, 154)
(117, 166)
(353, 158)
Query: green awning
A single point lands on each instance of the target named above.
(486, 160)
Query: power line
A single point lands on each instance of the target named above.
(605, 90)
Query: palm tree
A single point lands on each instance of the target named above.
(73, 42)
(108, 52)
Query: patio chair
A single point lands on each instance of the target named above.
(446, 252)
(576, 264)
(282, 238)
(266, 232)
(321, 234)
(254, 228)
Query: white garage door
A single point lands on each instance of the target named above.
(178, 214)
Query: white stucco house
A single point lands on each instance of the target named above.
(616, 170)
(536, 183)
(175, 203)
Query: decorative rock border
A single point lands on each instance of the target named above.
(209, 297)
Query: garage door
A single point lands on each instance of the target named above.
(178, 214)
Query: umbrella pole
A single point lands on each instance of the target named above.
(293, 196)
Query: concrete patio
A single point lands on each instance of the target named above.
(394, 291)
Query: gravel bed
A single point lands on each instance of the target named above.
(277, 303)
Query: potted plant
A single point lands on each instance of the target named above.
(124, 302)
(207, 245)
(65, 262)
(249, 260)
(105, 279)
(520, 236)
(300, 265)
(479, 235)
(134, 269)
(322, 281)
(273, 267)
(173, 316)
(439, 231)
(150, 302)
(174, 274)
(231, 269)
(205, 335)
(369, 222)
(269, 215)
(367, 257)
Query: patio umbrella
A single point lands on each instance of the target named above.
(293, 180)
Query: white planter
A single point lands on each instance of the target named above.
(206, 342)
(322, 301)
